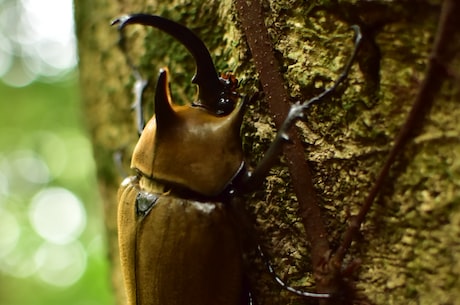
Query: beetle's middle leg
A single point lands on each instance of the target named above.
(297, 111)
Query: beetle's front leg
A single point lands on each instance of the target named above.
(297, 111)
(140, 83)
(138, 90)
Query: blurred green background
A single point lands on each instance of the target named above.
(52, 243)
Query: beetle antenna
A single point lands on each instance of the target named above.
(210, 86)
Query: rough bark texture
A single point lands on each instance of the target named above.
(409, 246)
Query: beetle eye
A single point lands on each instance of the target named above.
(225, 106)
(228, 96)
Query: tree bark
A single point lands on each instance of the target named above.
(409, 245)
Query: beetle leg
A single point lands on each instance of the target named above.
(118, 161)
(250, 299)
(251, 243)
(296, 291)
(138, 90)
(297, 111)
(140, 83)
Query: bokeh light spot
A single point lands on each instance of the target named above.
(9, 232)
(19, 261)
(60, 265)
(4, 184)
(57, 215)
(53, 150)
(40, 40)
(31, 167)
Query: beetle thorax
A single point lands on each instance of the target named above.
(192, 148)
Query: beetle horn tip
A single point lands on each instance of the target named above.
(120, 21)
(115, 21)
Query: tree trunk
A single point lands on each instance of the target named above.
(408, 248)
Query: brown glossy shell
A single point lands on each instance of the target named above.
(183, 252)
(189, 146)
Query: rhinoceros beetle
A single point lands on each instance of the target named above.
(177, 237)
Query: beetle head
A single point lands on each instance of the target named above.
(189, 146)
(198, 146)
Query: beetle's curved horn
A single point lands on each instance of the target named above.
(210, 86)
